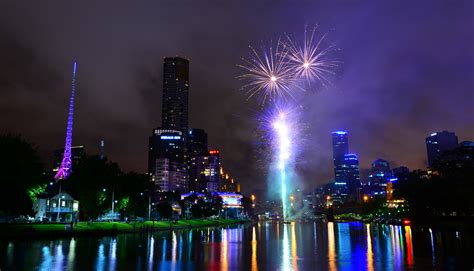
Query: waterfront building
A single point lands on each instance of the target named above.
(60, 207)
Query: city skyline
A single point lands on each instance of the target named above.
(389, 113)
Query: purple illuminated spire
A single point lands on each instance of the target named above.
(65, 168)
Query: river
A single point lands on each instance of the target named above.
(262, 246)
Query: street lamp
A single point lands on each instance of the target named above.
(113, 194)
(366, 198)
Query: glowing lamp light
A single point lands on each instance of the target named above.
(306, 65)
(273, 78)
(406, 222)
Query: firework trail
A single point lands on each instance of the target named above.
(268, 73)
(274, 75)
(312, 60)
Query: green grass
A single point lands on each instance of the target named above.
(8, 229)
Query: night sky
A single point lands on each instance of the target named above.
(408, 71)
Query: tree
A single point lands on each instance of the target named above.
(20, 171)
(445, 192)
(165, 210)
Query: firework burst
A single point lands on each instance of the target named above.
(268, 73)
(312, 60)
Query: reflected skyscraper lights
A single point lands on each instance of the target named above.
(254, 250)
(370, 253)
(409, 243)
(224, 251)
(331, 247)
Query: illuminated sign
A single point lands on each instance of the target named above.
(214, 152)
(340, 132)
(170, 137)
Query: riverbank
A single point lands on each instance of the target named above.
(49, 230)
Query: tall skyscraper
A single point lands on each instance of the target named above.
(340, 145)
(175, 93)
(346, 168)
(438, 143)
(167, 157)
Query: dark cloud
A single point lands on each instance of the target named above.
(407, 72)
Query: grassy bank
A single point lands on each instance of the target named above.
(11, 230)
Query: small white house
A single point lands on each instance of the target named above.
(62, 206)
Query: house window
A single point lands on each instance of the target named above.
(63, 203)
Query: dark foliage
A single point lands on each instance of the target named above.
(20, 170)
(447, 191)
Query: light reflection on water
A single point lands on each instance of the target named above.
(331, 246)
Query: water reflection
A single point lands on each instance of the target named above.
(409, 245)
(295, 246)
(254, 250)
(100, 258)
(331, 247)
(370, 253)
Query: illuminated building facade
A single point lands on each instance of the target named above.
(380, 173)
(228, 184)
(346, 169)
(166, 160)
(205, 172)
(438, 143)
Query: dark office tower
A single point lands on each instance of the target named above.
(351, 173)
(438, 143)
(175, 93)
(401, 173)
(340, 145)
(347, 181)
(197, 142)
(380, 173)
